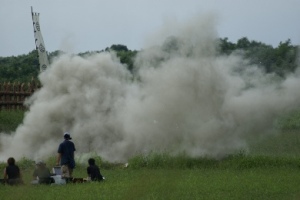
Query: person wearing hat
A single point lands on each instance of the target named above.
(41, 174)
(65, 156)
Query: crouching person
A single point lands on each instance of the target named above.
(93, 171)
(12, 173)
(41, 174)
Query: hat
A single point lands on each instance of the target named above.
(67, 136)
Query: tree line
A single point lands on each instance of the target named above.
(280, 60)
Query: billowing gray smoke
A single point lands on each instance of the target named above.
(184, 97)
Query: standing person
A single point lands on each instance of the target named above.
(65, 156)
(12, 173)
(93, 171)
(41, 174)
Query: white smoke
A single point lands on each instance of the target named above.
(184, 97)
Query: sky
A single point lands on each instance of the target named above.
(79, 26)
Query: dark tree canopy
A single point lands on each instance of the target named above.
(118, 47)
(280, 60)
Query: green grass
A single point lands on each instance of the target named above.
(237, 176)
(270, 169)
(275, 183)
(9, 120)
(284, 144)
(290, 121)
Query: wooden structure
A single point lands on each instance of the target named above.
(13, 95)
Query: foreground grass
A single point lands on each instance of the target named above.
(161, 176)
(270, 170)
(259, 183)
(261, 175)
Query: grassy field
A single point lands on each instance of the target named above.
(164, 177)
(269, 170)
(258, 183)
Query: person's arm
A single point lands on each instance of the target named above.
(58, 159)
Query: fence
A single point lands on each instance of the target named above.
(13, 95)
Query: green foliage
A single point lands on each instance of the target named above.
(282, 144)
(290, 121)
(243, 43)
(165, 161)
(137, 162)
(9, 120)
(226, 47)
(243, 162)
(126, 56)
(234, 161)
(19, 68)
(280, 60)
(118, 47)
(26, 164)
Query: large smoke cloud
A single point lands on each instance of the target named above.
(183, 97)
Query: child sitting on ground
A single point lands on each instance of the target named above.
(93, 171)
(12, 173)
(41, 174)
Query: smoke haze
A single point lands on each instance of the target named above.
(183, 97)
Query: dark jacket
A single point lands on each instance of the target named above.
(94, 172)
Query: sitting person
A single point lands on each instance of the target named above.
(93, 171)
(12, 173)
(41, 174)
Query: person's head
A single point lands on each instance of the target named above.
(91, 161)
(40, 164)
(67, 136)
(11, 161)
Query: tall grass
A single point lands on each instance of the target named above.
(282, 149)
(10, 120)
(181, 162)
(290, 121)
(269, 170)
(236, 161)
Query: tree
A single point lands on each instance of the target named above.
(243, 43)
(119, 47)
(226, 46)
(286, 55)
(19, 68)
(126, 56)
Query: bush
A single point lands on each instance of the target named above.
(10, 120)
(290, 121)
(234, 161)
